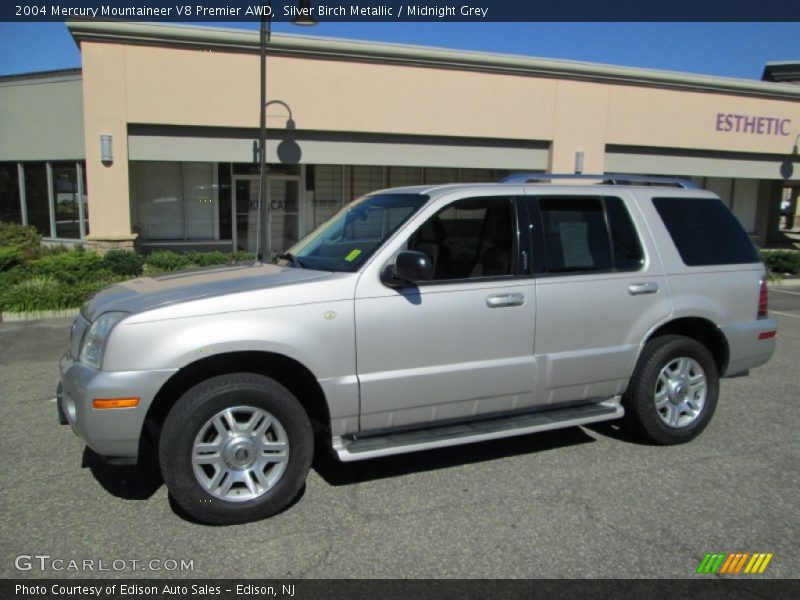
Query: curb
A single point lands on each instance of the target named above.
(788, 282)
(36, 315)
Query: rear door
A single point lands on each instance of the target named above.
(600, 289)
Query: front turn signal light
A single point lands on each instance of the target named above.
(103, 403)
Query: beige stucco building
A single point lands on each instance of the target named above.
(154, 140)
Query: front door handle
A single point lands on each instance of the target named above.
(499, 300)
(649, 287)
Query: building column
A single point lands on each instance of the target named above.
(104, 90)
(580, 127)
(768, 213)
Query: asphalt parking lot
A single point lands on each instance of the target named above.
(581, 502)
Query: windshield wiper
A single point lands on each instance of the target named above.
(293, 260)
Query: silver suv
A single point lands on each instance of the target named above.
(418, 318)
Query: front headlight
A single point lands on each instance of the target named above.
(94, 342)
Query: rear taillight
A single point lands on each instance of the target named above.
(762, 300)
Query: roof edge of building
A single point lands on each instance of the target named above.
(52, 75)
(244, 40)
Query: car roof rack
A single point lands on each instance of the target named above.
(605, 178)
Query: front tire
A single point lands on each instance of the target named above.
(673, 392)
(236, 448)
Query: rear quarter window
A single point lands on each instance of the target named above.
(705, 232)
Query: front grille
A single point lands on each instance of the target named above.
(79, 328)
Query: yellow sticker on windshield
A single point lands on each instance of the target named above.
(353, 255)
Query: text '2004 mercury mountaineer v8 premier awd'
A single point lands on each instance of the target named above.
(418, 318)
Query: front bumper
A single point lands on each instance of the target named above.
(112, 433)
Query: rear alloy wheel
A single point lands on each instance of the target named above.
(673, 392)
(680, 392)
(236, 448)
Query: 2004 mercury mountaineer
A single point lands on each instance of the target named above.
(418, 318)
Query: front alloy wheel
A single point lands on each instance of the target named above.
(240, 453)
(236, 448)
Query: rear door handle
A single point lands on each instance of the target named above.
(500, 300)
(649, 287)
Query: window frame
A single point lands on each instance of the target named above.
(538, 248)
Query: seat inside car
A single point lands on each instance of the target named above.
(429, 239)
(496, 259)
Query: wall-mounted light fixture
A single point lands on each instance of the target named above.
(579, 162)
(106, 149)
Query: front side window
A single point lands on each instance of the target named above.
(469, 239)
(346, 241)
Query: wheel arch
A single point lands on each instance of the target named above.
(703, 331)
(290, 373)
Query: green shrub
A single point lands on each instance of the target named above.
(782, 261)
(23, 238)
(47, 293)
(59, 249)
(71, 267)
(166, 260)
(125, 263)
(13, 276)
(9, 257)
(240, 257)
(205, 259)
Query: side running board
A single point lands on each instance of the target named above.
(349, 448)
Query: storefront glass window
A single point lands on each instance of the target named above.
(85, 199)
(175, 200)
(10, 210)
(65, 200)
(36, 197)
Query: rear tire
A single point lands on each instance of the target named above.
(236, 448)
(673, 392)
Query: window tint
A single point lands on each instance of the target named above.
(628, 255)
(575, 235)
(705, 232)
(470, 238)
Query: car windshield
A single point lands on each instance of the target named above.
(351, 236)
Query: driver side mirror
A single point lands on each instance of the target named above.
(409, 267)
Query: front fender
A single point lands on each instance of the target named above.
(319, 336)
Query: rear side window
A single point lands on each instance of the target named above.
(628, 254)
(705, 232)
(587, 234)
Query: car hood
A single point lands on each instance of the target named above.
(145, 293)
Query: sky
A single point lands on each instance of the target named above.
(723, 49)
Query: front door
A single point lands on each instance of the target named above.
(460, 345)
(281, 222)
(245, 213)
(283, 214)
